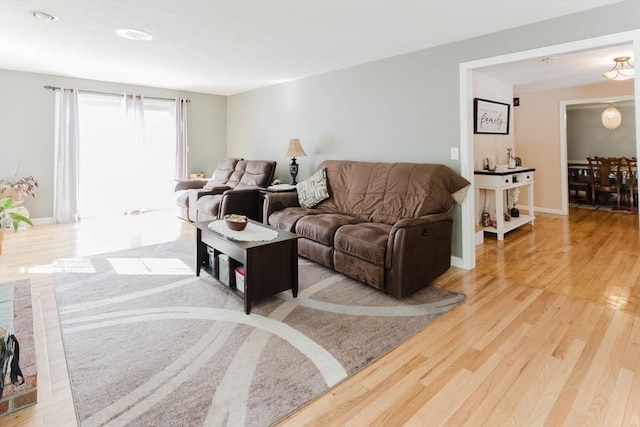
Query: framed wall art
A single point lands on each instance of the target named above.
(490, 117)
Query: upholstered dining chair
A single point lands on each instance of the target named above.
(605, 177)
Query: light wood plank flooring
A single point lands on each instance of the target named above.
(549, 333)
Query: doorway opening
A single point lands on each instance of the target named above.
(466, 114)
(575, 156)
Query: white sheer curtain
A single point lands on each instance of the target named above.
(181, 138)
(66, 185)
(135, 161)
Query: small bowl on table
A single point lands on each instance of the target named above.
(236, 222)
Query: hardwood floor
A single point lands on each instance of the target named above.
(549, 333)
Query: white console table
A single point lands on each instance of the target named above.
(499, 182)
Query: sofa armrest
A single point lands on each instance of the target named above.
(274, 202)
(211, 191)
(418, 251)
(189, 184)
(244, 202)
(195, 194)
(407, 223)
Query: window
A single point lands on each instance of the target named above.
(127, 154)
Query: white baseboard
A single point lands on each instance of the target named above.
(456, 261)
(479, 236)
(541, 210)
(41, 221)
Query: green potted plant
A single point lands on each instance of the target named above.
(12, 192)
(6, 216)
(13, 218)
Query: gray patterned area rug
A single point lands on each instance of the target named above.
(150, 344)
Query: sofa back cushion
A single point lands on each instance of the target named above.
(252, 174)
(221, 175)
(387, 192)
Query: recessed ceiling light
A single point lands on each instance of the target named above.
(43, 16)
(131, 34)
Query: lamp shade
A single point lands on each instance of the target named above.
(611, 117)
(295, 149)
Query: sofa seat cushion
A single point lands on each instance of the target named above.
(316, 252)
(373, 275)
(366, 241)
(321, 228)
(209, 205)
(286, 219)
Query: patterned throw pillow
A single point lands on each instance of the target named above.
(313, 190)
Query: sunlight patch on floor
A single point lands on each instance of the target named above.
(65, 265)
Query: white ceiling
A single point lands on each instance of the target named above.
(227, 47)
(573, 69)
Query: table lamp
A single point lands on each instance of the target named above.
(294, 150)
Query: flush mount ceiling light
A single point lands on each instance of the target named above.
(611, 117)
(43, 16)
(131, 34)
(619, 72)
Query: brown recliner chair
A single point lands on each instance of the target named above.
(184, 187)
(233, 189)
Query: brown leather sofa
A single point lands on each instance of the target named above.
(384, 224)
(233, 189)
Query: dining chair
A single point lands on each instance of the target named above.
(630, 179)
(605, 177)
(578, 175)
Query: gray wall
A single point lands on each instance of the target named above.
(586, 136)
(404, 108)
(27, 128)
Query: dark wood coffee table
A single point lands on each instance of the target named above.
(269, 267)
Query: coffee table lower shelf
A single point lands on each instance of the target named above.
(270, 267)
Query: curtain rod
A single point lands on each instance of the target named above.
(54, 88)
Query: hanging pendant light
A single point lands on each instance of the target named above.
(611, 117)
(619, 72)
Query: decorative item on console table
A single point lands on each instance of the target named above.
(519, 128)
(515, 195)
(511, 161)
(485, 218)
